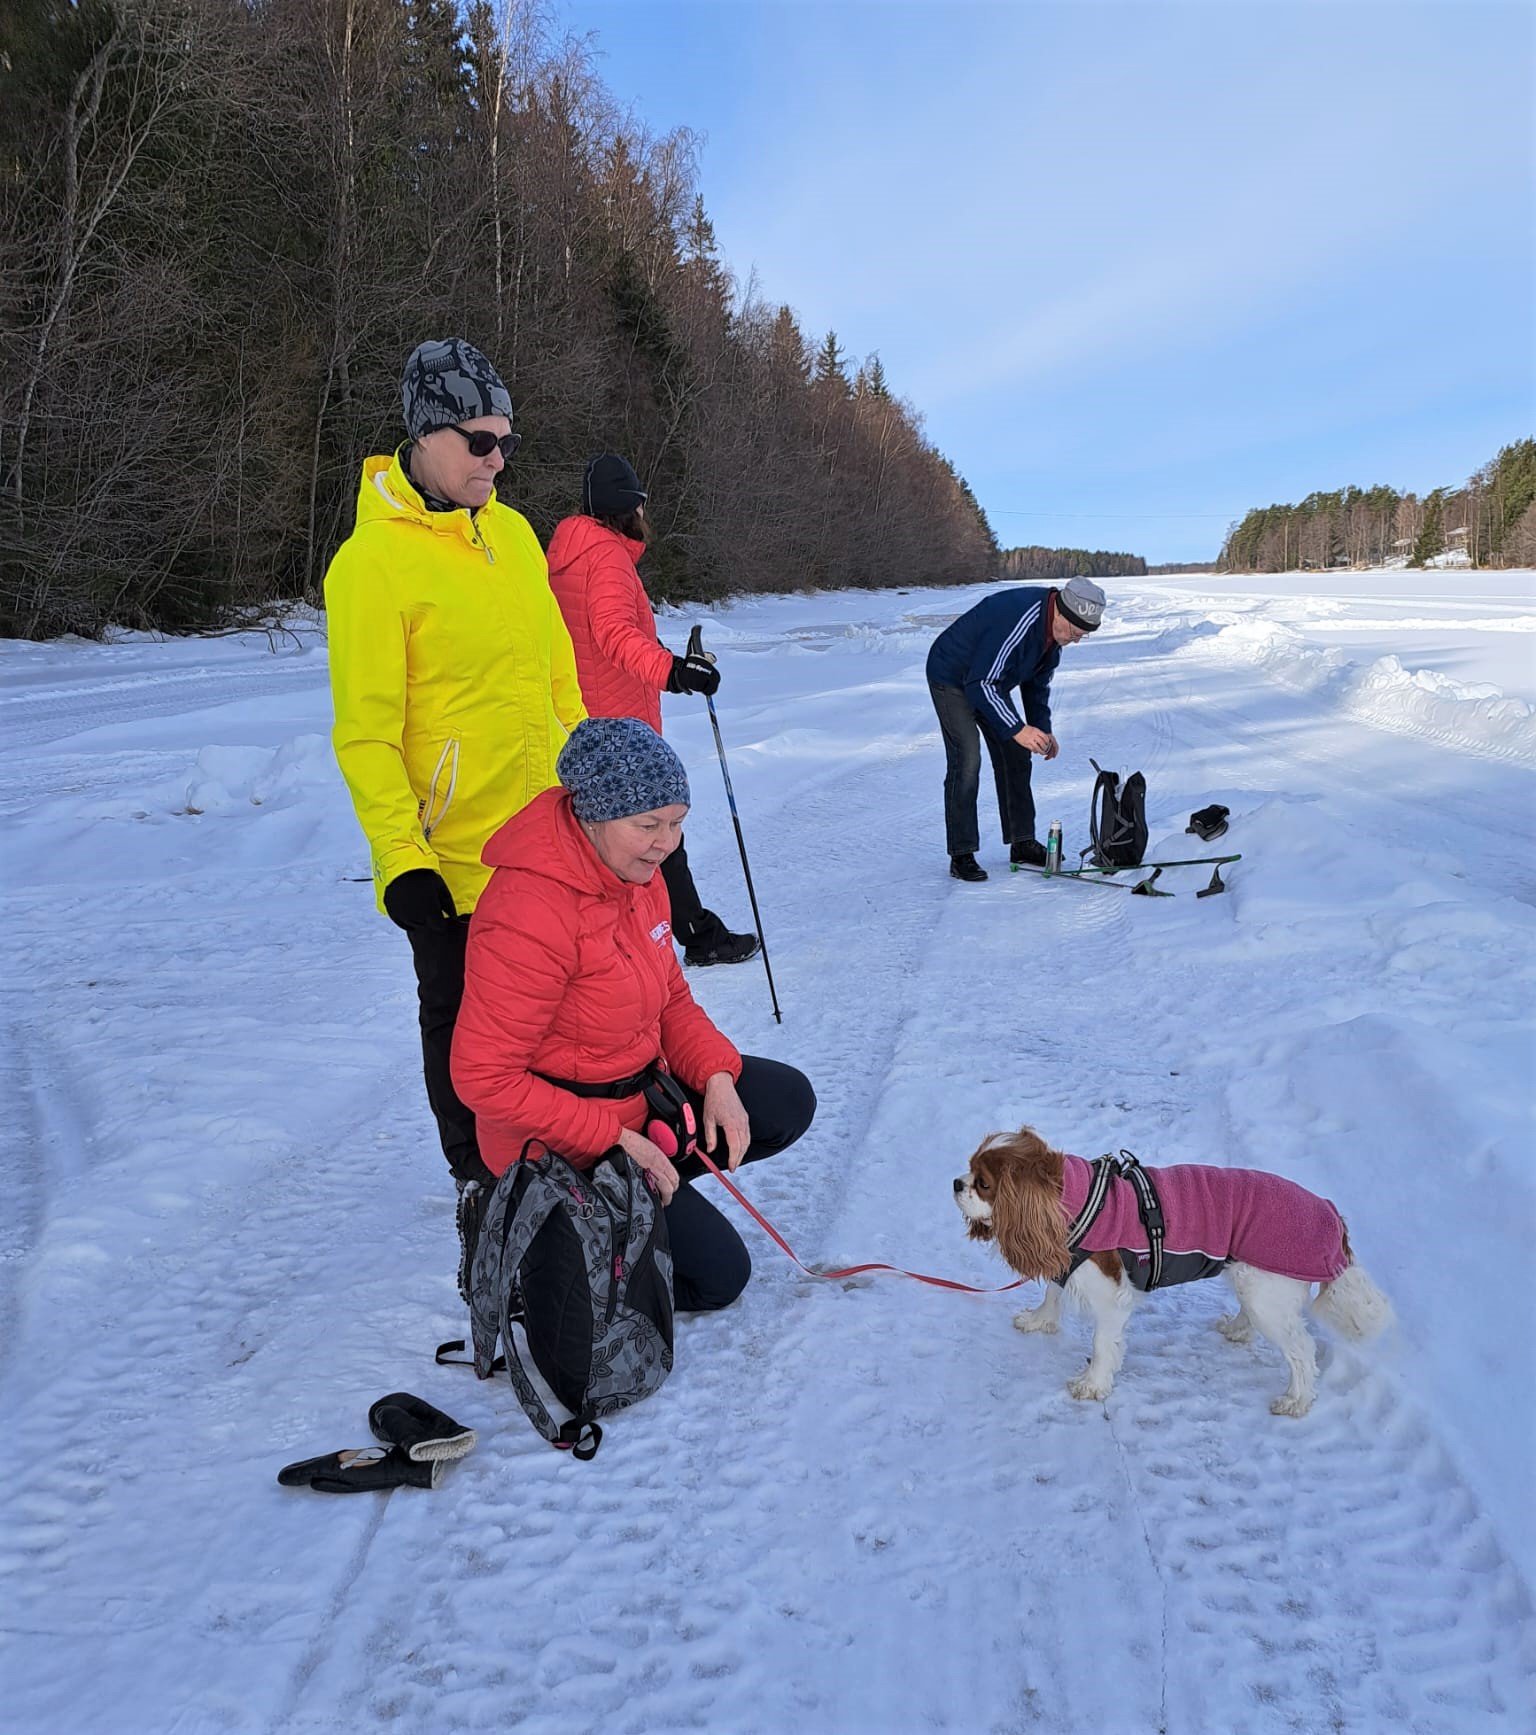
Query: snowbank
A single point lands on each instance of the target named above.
(1476, 717)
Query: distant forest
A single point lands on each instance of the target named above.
(1049, 563)
(225, 223)
(1491, 522)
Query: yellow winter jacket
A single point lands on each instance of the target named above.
(452, 676)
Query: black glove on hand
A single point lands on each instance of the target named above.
(419, 899)
(694, 675)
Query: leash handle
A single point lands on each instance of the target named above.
(848, 1270)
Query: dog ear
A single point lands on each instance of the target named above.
(1028, 1219)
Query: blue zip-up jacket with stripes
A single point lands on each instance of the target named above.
(1002, 643)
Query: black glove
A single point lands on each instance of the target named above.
(359, 1472)
(694, 675)
(419, 1429)
(419, 899)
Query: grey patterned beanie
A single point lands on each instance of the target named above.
(1082, 602)
(618, 766)
(448, 381)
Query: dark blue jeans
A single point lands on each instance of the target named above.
(710, 1262)
(963, 735)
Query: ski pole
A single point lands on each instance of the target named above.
(696, 649)
(1083, 872)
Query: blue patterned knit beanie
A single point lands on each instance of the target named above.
(618, 766)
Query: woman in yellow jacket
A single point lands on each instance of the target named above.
(453, 680)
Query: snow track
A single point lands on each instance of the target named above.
(860, 1507)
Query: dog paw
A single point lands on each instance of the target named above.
(1234, 1327)
(1034, 1319)
(1286, 1405)
(1089, 1391)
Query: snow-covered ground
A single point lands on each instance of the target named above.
(854, 1507)
(1477, 629)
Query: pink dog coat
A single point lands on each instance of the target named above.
(1262, 1220)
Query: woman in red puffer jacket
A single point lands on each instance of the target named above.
(622, 667)
(572, 990)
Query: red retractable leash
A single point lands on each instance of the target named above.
(848, 1270)
(674, 1132)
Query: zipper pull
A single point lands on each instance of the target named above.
(485, 547)
(618, 1268)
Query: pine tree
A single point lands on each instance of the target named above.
(1431, 539)
(831, 364)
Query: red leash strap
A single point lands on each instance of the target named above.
(848, 1270)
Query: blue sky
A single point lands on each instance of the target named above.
(1142, 265)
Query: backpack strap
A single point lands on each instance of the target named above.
(527, 1195)
(581, 1438)
(1102, 813)
(451, 1355)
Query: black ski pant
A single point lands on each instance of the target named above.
(963, 735)
(710, 1262)
(690, 920)
(438, 953)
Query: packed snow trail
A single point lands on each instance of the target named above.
(856, 1506)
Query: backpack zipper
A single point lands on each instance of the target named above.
(621, 1242)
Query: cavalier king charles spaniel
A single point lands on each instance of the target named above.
(1271, 1239)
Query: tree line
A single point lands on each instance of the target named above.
(1492, 519)
(227, 222)
(1043, 564)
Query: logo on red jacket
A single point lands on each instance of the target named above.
(660, 931)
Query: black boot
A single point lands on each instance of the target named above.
(1027, 854)
(421, 1431)
(966, 867)
(711, 942)
(474, 1196)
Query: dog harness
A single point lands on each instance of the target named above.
(1189, 1221)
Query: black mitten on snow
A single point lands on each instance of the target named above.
(1210, 822)
(693, 675)
(359, 1472)
(419, 899)
(415, 1427)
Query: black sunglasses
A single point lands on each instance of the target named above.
(482, 442)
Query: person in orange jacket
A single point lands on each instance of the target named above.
(573, 992)
(623, 667)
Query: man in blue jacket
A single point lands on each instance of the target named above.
(1010, 640)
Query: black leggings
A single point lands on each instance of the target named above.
(438, 954)
(710, 1262)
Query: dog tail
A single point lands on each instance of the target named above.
(1353, 1305)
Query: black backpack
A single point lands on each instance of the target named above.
(1117, 819)
(579, 1258)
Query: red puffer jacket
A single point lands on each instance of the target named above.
(620, 664)
(570, 973)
